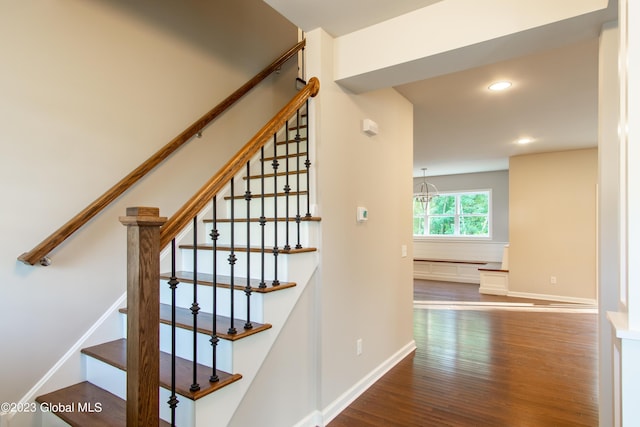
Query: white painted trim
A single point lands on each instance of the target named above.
(443, 278)
(338, 405)
(75, 348)
(589, 301)
(620, 322)
(447, 271)
(311, 420)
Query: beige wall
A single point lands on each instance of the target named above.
(552, 224)
(366, 286)
(87, 91)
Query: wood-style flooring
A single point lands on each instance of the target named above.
(486, 368)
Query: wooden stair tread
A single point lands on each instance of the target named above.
(112, 412)
(209, 247)
(114, 353)
(259, 196)
(280, 219)
(224, 282)
(184, 320)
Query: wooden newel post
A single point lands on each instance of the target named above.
(143, 315)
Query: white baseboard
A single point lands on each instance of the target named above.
(559, 298)
(311, 420)
(338, 405)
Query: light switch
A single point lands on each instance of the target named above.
(363, 214)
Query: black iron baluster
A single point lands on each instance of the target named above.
(215, 234)
(247, 288)
(195, 308)
(275, 165)
(298, 139)
(307, 163)
(287, 189)
(173, 284)
(263, 220)
(232, 259)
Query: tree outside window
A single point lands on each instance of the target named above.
(459, 214)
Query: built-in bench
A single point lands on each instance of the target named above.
(448, 270)
(494, 279)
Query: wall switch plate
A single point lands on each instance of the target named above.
(362, 214)
(358, 346)
(403, 251)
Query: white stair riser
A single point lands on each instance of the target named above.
(185, 411)
(114, 381)
(49, 419)
(256, 209)
(296, 182)
(205, 264)
(184, 298)
(294, 160)
(107, 377)
(255, 233)
(184, 347)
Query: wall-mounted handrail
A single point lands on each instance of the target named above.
(39, 253)
(193, 206)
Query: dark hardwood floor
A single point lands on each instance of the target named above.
(487, 368)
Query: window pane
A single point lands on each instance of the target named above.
(418, 207)
(440, 205)
(474, 225)
(474, 203)
(443, 225)
(418, 226)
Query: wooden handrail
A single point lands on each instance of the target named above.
(194, 205)
(39, 253)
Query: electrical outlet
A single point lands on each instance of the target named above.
(553, 280)
(358, 346)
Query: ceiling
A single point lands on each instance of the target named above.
(459, 125)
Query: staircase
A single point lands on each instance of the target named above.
(228, 282)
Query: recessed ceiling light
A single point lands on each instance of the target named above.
(523, 141)
(498, 86)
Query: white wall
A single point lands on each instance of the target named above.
(366, 286)
(88, 90)
(465, 249)
(608, 212)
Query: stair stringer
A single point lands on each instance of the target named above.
(250, 354)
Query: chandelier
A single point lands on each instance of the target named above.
(427, 191)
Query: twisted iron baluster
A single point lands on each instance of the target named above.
(298, 139)
(232, 259)
(287, 189)
(307, 164)
(247, 288)
(215, 234)
(195, 308)
(263, 220)
(173, 284)
(276, 250)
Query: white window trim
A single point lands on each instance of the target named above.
(458, 238)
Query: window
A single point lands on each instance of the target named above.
(455, 214)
